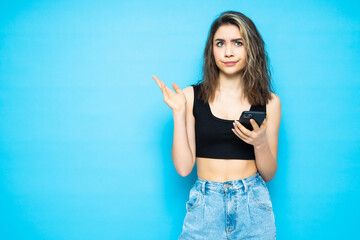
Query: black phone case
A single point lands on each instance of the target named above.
(247, 115)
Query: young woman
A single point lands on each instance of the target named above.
(230, 199)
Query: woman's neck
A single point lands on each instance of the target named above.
(230, 84)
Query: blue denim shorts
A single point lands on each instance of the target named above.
(238, 209)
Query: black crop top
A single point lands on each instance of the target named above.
(214, 137)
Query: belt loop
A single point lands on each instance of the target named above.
(203, 187)
(245, 185)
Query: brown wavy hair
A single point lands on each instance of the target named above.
(256, 73)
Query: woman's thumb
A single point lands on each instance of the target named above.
(177, 89)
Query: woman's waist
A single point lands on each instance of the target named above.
(221, 170)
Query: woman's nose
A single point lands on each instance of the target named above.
(229, 51)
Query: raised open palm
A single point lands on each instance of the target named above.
(175, 100)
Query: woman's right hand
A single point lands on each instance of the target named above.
(175, 100)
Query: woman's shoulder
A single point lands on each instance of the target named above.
(190, 90)
(193, 87)
(189, 94)
(274, 105)
(274, 101)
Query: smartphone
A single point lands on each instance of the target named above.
(245, 117)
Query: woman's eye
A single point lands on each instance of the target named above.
(219, 43)
(239, 43)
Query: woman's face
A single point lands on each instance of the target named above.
(229, 49)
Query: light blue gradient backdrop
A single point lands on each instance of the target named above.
(85, 136)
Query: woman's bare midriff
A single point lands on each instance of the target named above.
(222, 170)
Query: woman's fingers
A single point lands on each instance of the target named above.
(240, 134)
(237, 129)
(159, 83)
(243, 129)
(167, 90)
(251, 137)
(174, 99)
(171, 92)
(156, 80)
(164, 88)
(254, 124)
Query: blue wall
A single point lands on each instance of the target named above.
(85, 136)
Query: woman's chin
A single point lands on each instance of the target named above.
(229, 72)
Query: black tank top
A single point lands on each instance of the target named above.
(214, 137)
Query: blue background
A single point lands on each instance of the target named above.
(85, 136)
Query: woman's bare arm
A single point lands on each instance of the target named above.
(183, 149)
(264, 138)
(266, 153)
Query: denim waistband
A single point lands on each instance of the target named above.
(203, 185)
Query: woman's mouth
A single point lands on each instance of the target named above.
(230, 63)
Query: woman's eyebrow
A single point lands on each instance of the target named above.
(232, 40)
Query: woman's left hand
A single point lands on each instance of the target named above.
(256, 137)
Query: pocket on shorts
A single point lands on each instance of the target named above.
(194, 199)
(261, 196)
